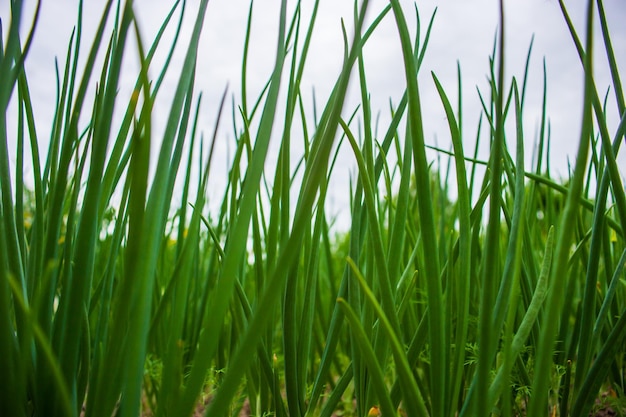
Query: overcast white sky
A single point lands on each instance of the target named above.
(463, 30)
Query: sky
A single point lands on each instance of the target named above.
(463, 32)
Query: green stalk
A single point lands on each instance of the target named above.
(487, 336)
(426, 218)
(544, 353)
(464, 245)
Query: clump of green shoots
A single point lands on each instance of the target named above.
(508, 300)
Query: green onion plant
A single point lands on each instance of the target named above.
(463, 287)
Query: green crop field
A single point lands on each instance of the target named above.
(465, 286)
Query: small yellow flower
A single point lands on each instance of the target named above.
(374, 412)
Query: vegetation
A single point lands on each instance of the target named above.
(508, 300)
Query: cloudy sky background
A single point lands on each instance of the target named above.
(463, 31)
